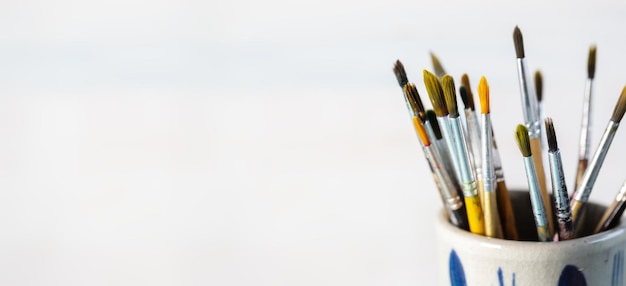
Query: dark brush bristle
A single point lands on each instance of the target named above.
(470, 95)
(398, 70)
(539, 85)
(551, 135)
(414, 99)
(591, 62)
(620, 107)
(432, 118)
(449, 92)
(519, 43)
(523, 141)
(435, 93)
(463, 93)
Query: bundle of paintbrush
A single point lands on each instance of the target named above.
(463, 157)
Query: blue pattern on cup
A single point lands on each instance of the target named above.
(617, 277)
(457, 275)
(571, 276)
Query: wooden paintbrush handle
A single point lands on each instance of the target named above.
(535, 148)
(505, 209)
(493, 228)
(582, 166)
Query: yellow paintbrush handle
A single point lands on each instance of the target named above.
(475, 215)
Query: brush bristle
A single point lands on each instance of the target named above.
(539, 85)
(470, 95)
(398, 70)
(519, 43)
(421, 132)
(414, 99)
(449, 92)
(551, 135)
(432, 118)
(483, 95)
(435, 93)
(463, 94)
(437, 67)
(523, 141)
(591, 62)
(620, 107)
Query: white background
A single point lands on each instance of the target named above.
(244, 142)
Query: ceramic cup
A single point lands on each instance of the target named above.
(469, 259)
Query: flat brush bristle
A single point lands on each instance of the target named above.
(523, 141)
(483, 95)
(551, 135)
(620, 107)
(539, 85)
(414, 99)
(398, 70)
(435, 93)
(591, 62)
(519, 43)
(470, 95)
(432, 118)
(449, 92)
(421, 132)
(437, 67)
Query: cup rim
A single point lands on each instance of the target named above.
(444, 225)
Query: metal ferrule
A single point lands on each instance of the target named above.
(585, 125)
(488, 171)
(591, 174)
(442, 150)
(621, 195)
(446, 132)
(474, 136)
(448, 189)
(539, 209)
(529, 100)
(497, 162)
(467, 177)
(563, 211)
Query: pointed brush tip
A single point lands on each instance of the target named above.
(551, 135)
(620, 107)
(523, 141)
(483, 94)
(518, 40)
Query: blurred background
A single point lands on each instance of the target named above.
(261, 142)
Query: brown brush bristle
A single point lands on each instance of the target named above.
(518, 40)
(432, 118)
(435, 93)
(421, 132)
(449, 92)
(620, 107)
(483, 95)
(539, 85)
(398, 70)
(551, 135)
(437, 67)
(414, 99)
(591, 62)
(523, 141)
(470, 96)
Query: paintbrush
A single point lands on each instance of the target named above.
(441, 146)
(614, 212)
(581, 195)
(585, 125)
(505, 208)
(538, 206)
(563, 211)
(473, 127)
(454, 139)
(437, 67)
(487, 179)
(531, 117)
(448, 190)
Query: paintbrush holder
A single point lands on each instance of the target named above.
(470, 259)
